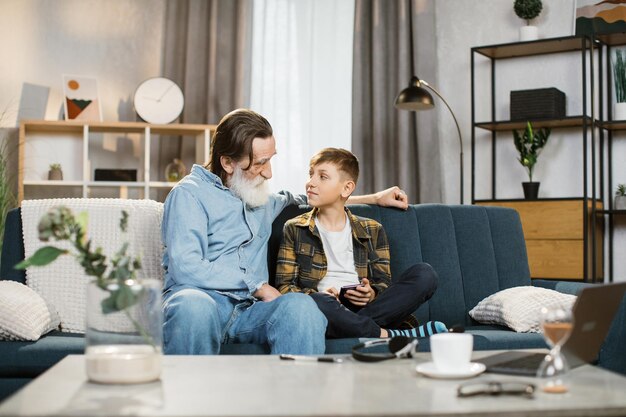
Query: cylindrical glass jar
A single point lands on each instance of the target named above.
(124, 346)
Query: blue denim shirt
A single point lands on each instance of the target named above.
(212, 239)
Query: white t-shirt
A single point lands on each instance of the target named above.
(339, 257)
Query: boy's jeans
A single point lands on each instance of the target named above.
(198, 321)
(413, 288)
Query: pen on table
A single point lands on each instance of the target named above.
(311, 358)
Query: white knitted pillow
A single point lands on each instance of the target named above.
(24, 315)
(63, 282)
(519, 308)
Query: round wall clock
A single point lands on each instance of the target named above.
(158, 100)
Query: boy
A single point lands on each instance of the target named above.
(329, 248)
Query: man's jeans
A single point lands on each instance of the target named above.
(413, 288)
(198, 321)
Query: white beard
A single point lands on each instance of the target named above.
(254, 193)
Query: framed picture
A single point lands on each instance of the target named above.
(81, 98)
(600, 17)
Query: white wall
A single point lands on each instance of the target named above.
(462, 25)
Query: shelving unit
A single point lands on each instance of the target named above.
(76, 137)
(549, 210)
(611, 127)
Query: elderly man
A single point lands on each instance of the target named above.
(216, 227)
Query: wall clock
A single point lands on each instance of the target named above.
(158, 100)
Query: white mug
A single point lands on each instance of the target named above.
(451, 351)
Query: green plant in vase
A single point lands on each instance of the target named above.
(620, 197)
(529, 143)
(116, 289)
(528, 10)
(619, 82)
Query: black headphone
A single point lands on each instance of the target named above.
(399, 347)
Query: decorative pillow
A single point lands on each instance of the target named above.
(24, 315)
(519, 308)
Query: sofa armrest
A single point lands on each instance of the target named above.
(566, 287)
(613, 351)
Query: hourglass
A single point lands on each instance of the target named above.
(557, 325)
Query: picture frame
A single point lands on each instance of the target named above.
(81, 100)
(593, 17)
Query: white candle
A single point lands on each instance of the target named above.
(123, 364)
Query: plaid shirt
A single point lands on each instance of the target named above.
(302, 262)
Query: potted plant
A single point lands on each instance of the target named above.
(619, 81)
(124, 318)
(529, 145)
(55, 173)
(620, 197)
(527, 10)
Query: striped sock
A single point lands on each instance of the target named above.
(428, 329)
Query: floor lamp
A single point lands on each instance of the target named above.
(415, 97)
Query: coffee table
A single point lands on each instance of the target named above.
(264, 385)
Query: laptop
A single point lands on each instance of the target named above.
(593, 314)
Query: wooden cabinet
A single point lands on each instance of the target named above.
(555, 237)
(118, 145)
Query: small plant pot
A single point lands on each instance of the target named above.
(531, 190)
(528, 33)
(620, 202)
(619, 112)
(55, 175)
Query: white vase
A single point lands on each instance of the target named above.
(619, 111)
(124, 347)
(528, 33)
(620, 202)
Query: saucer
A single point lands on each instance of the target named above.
(429, 369)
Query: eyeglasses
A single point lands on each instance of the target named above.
(496, 388)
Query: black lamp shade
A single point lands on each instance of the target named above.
(414, 97)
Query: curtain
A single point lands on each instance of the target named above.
(301, 80)
(207, 53)
(395, 147)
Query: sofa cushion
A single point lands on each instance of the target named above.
(29, 359)
(24, 315)
(519, 308)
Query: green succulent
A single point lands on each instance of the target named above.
(529, 144)
(54, 167)
(527, 9)
(621, 190)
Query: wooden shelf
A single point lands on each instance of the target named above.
(503, 125)
(538, 47)
(612, 39)
(48, 183)
(73, 126)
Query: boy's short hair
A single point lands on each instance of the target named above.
(343, 159)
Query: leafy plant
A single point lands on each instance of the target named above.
(619, 76)
(54, 167)
(7, 196)
(529, 145)
(621, 190)
(527, 9)
(117, 279)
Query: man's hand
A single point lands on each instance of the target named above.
(332, 291)
(266, 293)
(392, 197)
(362, 295)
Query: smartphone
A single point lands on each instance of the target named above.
(342, 297)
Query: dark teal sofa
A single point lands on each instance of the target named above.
(476, 251)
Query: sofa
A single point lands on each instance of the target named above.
(475, 250)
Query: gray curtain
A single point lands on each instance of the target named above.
(207, 52)
(394, 147)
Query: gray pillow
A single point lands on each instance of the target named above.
(519, 308)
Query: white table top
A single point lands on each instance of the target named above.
(264, 385)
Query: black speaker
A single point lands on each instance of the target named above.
(115, 175)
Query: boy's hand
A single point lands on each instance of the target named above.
(266, 293)
(332, 291)
(362, 295)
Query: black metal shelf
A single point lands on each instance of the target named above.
(534, 48)
(612, 212)
(569, 121)
(520, 200)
